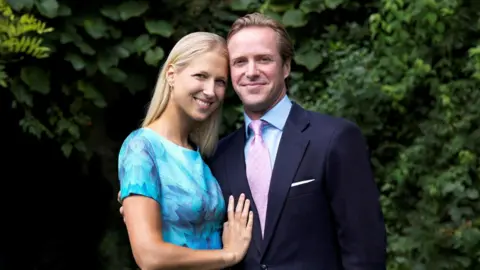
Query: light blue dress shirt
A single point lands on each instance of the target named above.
(272, 132)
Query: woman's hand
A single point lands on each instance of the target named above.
(237, 232)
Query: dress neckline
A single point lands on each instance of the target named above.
(169, 142)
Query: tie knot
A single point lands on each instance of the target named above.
(256, 126)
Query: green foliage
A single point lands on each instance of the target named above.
(15, 40)
(407, 71)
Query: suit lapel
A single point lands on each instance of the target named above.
(290, 153)
(237, 178)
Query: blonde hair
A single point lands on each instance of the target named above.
(285, 44)
(184, 51)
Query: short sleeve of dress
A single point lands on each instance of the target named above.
(137, 170)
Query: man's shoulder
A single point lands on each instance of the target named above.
(327, 122)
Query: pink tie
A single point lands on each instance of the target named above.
(259, 171)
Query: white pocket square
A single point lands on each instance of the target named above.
(302, 182)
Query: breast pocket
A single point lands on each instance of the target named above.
(303, 187)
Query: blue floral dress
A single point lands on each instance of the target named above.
(177, 178)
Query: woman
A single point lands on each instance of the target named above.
(172, 205)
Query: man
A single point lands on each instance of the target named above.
(308, 174)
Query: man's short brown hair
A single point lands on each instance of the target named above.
(285, 44)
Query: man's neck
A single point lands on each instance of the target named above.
(259, 114)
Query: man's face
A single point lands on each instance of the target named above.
(257, 70)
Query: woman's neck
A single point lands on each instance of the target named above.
(174, 125)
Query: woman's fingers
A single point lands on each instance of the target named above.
(246, 209)
(231, 203)
(239, 208)
(241, 212)
(250, 222)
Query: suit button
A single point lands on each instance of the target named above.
(264, 266)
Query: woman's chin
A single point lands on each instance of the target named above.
(200, 117)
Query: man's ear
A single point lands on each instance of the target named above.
(286, 68)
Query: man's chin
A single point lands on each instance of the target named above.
(258, 107)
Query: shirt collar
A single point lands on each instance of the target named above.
(276, 116)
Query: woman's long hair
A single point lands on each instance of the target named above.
(205, 136)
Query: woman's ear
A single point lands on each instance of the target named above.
(170, 75)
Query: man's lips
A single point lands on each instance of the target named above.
(253, 84)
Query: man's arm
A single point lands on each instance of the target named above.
(354, 199)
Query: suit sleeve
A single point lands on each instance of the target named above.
(354, 199)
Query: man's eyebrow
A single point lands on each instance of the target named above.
(255, 56)
(237, 57)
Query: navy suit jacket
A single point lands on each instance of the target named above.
(332, 223)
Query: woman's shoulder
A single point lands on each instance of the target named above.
(141, 141)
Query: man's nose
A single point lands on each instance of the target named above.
(252, 70)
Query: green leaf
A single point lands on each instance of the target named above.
(121, 51)
(153, 56)
(240, 5)
(48, 8)
(106, 60)
(90, 93)
(310, 59)
(332, 4)
(77, 61)
(281, 7)
(21, 94)
(129, 44)
(80, 146)
(64, 10)
(64, 125)
(274, 15)
(95, 27)
(135, 83)
(160, 27)
(308, 6)
(131, 9)
(114, 32)
(110, 12)
(85, 48)
(36, 78)
(67, 149)
(472, 194)
(294, 18)
(143, 43)
(18, 5)
(117, 75)
(3, 77)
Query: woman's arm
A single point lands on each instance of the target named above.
(140, 189)
(143, 219)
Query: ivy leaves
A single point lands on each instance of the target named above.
(78, 38)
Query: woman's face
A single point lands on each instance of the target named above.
(199, 88)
